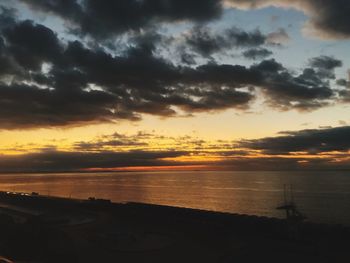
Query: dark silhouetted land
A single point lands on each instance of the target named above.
(36, 228)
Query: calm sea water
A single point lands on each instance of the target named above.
(321, 196)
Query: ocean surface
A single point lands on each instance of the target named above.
(322, 196)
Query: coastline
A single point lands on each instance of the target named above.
(155, 232)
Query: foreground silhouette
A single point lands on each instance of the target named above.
(45, 229)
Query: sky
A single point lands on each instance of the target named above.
(174, 85)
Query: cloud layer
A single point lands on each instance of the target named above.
(100, 19)
(312, 149)
(47, 81)
(328, 19)
(311, 141)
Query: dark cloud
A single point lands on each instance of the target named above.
(312, 141)
(342, 82)
(32, 44)
(345, 92)
(7, 65)
(70, 9)
(325, 66)
(28, 106)
(45, 82)
(114, 141)
(328, 19)
(284, 90)
(325, 63)
(206, 42)
(53, 160)
(103, 19)
(331, 17)
(257, 53)
(159, 87)
(7, 17)
(187, 59)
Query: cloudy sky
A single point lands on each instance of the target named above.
(91, 85)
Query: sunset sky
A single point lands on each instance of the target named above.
(90, 85)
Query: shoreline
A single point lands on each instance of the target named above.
(97, 230)
(92, 202)
(66, 199)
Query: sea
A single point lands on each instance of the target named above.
(322, 196)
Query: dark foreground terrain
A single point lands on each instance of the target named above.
(34, 228)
